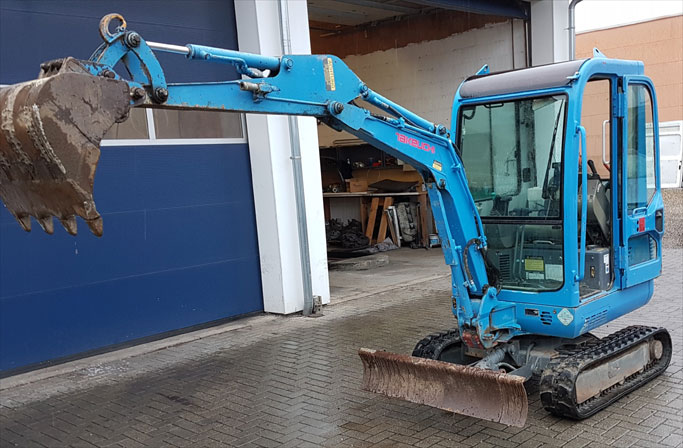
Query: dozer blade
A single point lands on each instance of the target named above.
(464, 390)
(50, 132)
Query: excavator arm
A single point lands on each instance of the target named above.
(49, 149)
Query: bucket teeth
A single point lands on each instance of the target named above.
(25, 222)
(69, 224)
(50, 132)
(47, 224)
(96, 226)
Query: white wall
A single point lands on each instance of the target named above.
(258, 30)
(549, 31)
(424, 77)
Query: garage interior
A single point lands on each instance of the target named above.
(415, 53)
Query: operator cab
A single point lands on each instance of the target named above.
(515, 134)
(512, 152)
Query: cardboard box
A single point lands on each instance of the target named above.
(354, 185)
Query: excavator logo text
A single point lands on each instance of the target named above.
(415, 143)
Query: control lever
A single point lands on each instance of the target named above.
(591, 164)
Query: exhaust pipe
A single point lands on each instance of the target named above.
(572, 30)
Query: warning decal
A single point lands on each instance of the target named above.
(565, 316)
(329, 74)
(534, 264)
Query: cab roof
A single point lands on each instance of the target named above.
(534, 78)
(542, 77)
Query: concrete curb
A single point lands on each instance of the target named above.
(117, 355)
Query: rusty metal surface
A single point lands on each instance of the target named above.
(464, 390)
(50, 132)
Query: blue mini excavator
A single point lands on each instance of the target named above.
(542, 248)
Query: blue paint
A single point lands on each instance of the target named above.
(587, 316)
(179, 247)
(242, 62)
(630, 229)
(584, 203)
(633, 286)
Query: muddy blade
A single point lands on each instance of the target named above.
(50, 132)
(464, 390)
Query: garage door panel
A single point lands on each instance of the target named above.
(134, 243)
(165, 176)
(68, 321)
(179, 246)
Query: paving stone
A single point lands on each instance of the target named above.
(295, 382)
(672, 440)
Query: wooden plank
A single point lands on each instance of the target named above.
(363, 213)
(326, 207)
(370, 229)
(424, 210)
(392, 228)
(381, 236)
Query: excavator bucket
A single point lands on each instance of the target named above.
(479, 393)
(50, 132)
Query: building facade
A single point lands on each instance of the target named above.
(658, 43)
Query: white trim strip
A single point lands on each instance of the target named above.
(153, 141)
(151, 127)
(174, 141)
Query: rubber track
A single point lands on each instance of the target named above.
(557, 386)
(431, 346)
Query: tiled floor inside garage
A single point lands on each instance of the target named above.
(295, 382)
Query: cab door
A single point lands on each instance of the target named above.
(642, 210)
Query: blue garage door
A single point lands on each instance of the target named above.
(179, 246)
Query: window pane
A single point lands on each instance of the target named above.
(596, 111)
(172, 123)
(526, 257)
(641, 248)
(512, 154)
(135, 127)
(640, 165)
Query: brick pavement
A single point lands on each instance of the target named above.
(295, 382)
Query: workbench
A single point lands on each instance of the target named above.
(370, 203)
